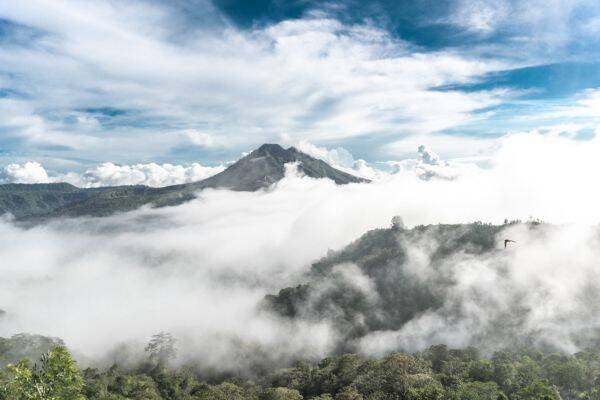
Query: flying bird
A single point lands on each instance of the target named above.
(507, 241)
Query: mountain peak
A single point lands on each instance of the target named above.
(266, 165)
(258, 170)
(269, 147)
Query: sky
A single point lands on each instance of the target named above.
(190, 85)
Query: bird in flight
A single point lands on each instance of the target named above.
(507, 241)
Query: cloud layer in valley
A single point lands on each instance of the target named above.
(200, 270)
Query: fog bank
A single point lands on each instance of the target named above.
(199, 270)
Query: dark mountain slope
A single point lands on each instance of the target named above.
(399, 291)
(22, 200)
(259, 169)
(266, 165)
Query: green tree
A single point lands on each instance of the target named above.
(568, 373)
(537, 390)
(423, 387)
(281, 393)
(324, 396)
(56, 378)
(349, 393)
(480, 391)
(224, 391)
(437, 355)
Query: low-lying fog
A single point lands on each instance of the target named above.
(200, 269)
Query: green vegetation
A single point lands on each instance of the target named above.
(435, 374)
(384, 257)
(56, 378)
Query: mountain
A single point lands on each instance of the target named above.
(265, 166)
(257, 170)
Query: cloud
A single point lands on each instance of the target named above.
(109, 174)
(587, 105)
(429, 157)
(341, 159)
(430, 165)
(501, 298)
(29, 172)
(338, 157)
(313, 77)
(479, 16)
(180, 86)
(155, 175)
(199, 138)
(200, 270)
(528, 23)
(449, 146)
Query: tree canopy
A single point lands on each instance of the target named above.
(438, 373)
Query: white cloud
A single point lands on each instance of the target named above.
(199, 138)
(109, 174)
(450, 147)
(431, 166)
(155, 175)
(21, 120)
(88, 122)
(586, 105)
(315, 78)
(480, 16)
(29, 172)
(429, 157)
(338, 157)
(341, 159)
(212, 260)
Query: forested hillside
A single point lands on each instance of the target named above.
(434, 374)
(394, 278)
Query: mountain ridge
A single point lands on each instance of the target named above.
(257, 170)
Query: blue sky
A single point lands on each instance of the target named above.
(87, 82)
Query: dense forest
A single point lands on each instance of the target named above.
(436, 373)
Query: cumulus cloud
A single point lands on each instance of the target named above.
(341, 159)
(29, 172)
(430, 165)
(155, 175)
(429, 157)
(110, 174)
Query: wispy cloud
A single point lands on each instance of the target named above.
(312, 78)
(143, 81)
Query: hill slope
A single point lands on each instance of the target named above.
(391, 277)
(259, 169)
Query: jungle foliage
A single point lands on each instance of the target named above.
(435, 374)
